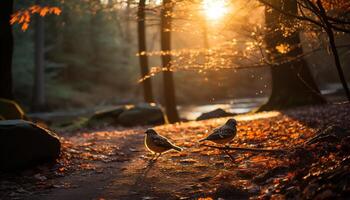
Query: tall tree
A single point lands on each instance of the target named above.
(94, 35)
(205, 35)
(292, 82)
(168, 79)
(6, 49)
(128, 21)
(67, 42)
(141, 28)
(39, 100)
(336, 21)
(329, 30)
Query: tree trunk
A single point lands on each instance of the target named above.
(292, 82)
(67, 33)
(330, 34)
(127, 25)
(141, 28)
(169, 88)
(6, 50)
(94, 36)
(38, 101)
(205, 35)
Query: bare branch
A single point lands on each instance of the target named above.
(291, 14)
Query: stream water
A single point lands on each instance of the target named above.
(190, 112)
(238, 106)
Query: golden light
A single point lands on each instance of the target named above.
(215, 9)
(158, 2)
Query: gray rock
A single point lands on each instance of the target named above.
(143, 114)
(215, 114)
(107, 117)
(24, 144)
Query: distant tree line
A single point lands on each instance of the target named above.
(292, 81)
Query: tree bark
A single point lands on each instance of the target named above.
(141, 28)
(168, 79)
(292, 82)
(6, 50)
(39, 101)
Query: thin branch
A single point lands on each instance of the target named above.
(338, 21)
(246, 149)
(291, 14)
(304, 18)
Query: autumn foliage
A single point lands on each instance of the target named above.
(23, 17)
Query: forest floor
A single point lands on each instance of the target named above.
(110, 163)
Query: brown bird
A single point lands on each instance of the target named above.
(223, 134)
(157, 143)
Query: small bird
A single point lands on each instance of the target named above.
(223, 134)
(157, 143)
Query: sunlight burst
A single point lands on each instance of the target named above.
(215, 9)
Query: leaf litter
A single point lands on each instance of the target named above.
(118, 157)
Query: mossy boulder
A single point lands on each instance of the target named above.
(24, 144)
(142, 114)
(10, 110)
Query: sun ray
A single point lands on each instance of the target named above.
(215, 9)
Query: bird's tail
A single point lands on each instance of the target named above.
(202, 140)
(177, 148)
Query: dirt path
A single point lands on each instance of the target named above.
(111, 164)
(195, 172)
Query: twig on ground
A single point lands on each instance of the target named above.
(332, 133)
(246, 149)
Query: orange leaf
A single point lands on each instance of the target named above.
(25, 26)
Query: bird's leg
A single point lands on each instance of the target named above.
(154, 156)
(227, 153)
(157, 156)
